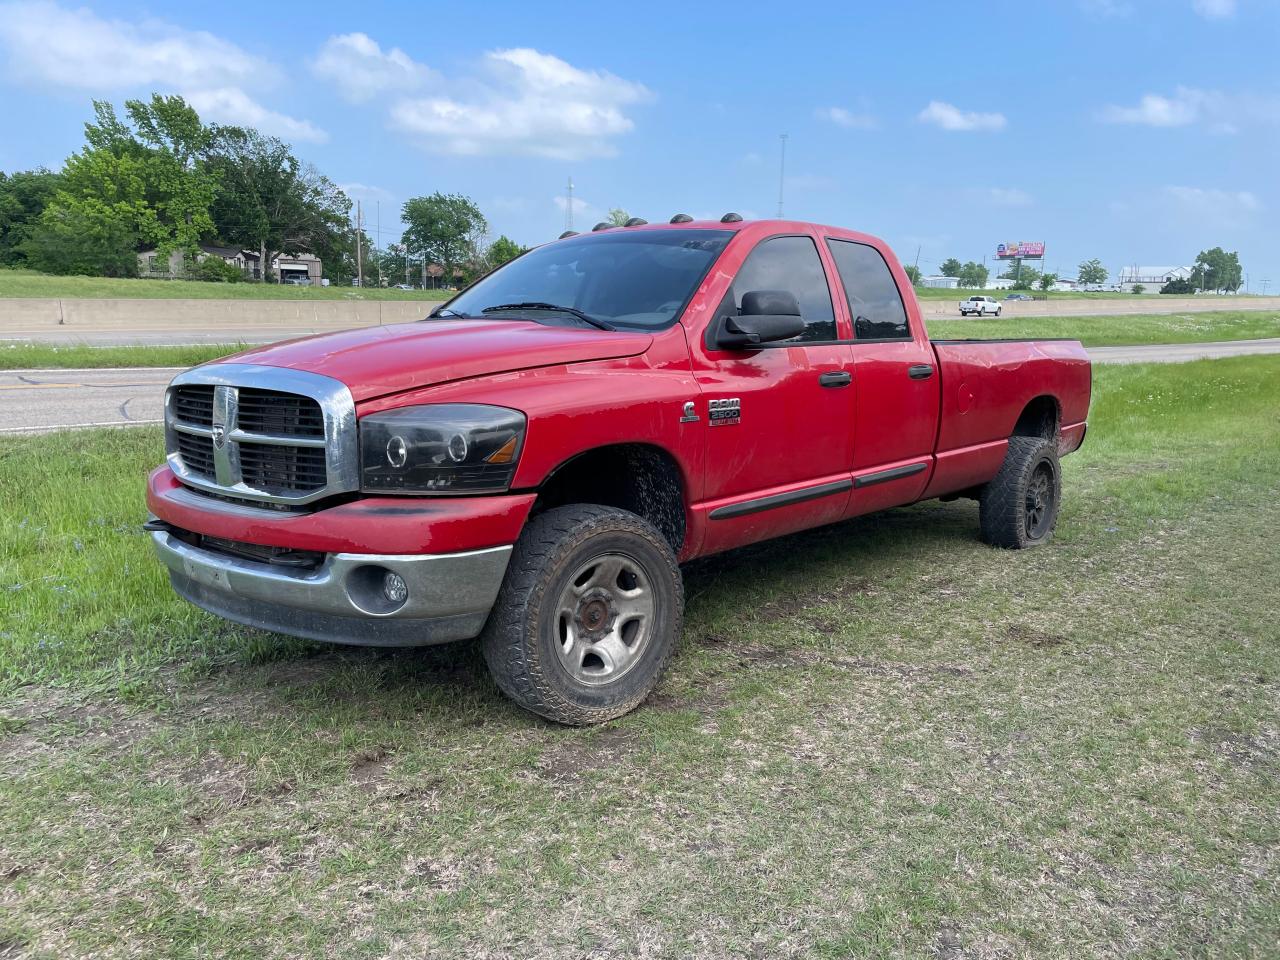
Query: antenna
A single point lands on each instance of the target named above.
(782, 169)
(568, 206)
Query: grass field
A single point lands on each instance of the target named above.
(1123, 330)
(876, 739)
(28, 284)
(939, 293)
(40, 356)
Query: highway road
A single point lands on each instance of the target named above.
(38, 401)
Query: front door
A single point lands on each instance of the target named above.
(779, 419)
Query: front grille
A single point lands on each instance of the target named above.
(197, 454)
(282, 414)
(277, 468)
(288, 440)
(194, 404)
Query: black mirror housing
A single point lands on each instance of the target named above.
(746, 332)
(764, 303)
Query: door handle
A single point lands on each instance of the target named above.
(920, 371)
(835, 378)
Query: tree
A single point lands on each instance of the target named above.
(1024, 277)
(270, 202)
(1139, 288)
(1092, 271)
(913, 274)
(447, 229)
(502, 250)
(1179, 285)
(1047, 280)
(23, 197)
(618, 217)
(1218, 270)
(950, 267)
(973, 274)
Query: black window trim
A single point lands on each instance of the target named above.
(853, 326)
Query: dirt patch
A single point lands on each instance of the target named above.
(585, 752)
(787, 608)
(1253, 752)
(946, 945)
(1019, 633)
(369, 768)
(47, 721)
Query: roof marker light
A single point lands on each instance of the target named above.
(602, 226)
(731, 218)
(681, 218)
(567, 233)
(636, 222)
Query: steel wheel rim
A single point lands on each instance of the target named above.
(604, 619)
(1039, 501)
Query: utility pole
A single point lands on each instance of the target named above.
(359, 256)
(782, 169)
(916, 265)
(377, 242)
(568, 206)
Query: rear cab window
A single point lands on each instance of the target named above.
(875, 303)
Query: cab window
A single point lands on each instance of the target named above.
(791, 263)
(874, 300)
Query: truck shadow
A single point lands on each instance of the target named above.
(781, 577)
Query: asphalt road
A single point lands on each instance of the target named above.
(38, 401)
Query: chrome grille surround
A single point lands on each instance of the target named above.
(220, 441)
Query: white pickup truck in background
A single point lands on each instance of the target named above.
(980, 305)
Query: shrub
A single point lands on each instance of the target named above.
(216, 270)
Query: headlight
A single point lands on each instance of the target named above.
(440, 448)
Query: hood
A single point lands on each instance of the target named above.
(376, 361)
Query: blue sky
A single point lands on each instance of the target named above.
(1136, 132)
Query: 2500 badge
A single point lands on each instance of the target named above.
(722, 413)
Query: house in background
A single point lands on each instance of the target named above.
(945, 283)
(305, 267)
(1151, 278)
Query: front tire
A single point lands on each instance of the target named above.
(997, 311)
(1019, 508)
(588, 616)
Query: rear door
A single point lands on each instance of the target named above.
(895, 421)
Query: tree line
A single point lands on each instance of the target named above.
(158, 177)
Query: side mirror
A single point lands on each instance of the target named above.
(767, 316)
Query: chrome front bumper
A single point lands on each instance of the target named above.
(449, 595)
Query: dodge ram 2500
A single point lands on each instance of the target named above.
(532, 463)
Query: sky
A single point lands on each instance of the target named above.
(1133, 131)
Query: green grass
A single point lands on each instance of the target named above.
(876, 739)
(939, 293)
(41, 356)
(28, 284)
(1121, 330)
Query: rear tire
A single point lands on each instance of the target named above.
(588, 616)
(1019, 508)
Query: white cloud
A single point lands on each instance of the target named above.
(1001, 196)
(526, 102)
(843, 117)
(232, 105)
(1214, 203)
(1153, 110)
(75, 49)
(1215, 9)
(360, 69)
(950, 117)
(1216, 111)
(1106, 9)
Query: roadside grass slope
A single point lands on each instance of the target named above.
(28, 284)
(877, 739)
(1125, 330)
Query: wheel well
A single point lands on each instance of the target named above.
(643, 479)
(1039, 419)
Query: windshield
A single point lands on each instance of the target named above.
(637, 280)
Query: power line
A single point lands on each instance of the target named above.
(782, 169)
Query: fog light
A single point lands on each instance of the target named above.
(394, 588)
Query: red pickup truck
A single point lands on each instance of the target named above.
(532, 462)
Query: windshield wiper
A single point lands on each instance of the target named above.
(538, 305)
(446, 312)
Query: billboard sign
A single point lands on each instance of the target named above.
(1020, 249)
